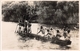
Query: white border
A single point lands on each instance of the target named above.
(32, 0)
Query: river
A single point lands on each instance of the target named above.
(10, 39)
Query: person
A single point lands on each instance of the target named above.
(26, 23)
(52, 32)
(65, 33)
(48, 34)
(21, 22)
(58, 34)
(29, 28)
(51, 29)
(25, 30)
(19, 25)
(56, 38)
(19, 31)
(41, 30)
(68, 31)
(68, 35)
(67, 39)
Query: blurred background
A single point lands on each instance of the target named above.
(44, 12)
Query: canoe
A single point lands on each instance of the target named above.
(45, 39)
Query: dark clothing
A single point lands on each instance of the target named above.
(25, 30)
(58, 35)
(49, 34)
(41, 30)
(21, 24)
(25, 24)
(65, 34)
(29, 29)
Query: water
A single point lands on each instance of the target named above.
(10, 39)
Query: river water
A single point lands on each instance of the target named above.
(10, 39)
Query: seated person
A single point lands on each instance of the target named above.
(52, 32)
(49, 33)
(58, 34)
(65, 33)
(41, 30)
(68, 35)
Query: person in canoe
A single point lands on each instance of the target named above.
(41, 30)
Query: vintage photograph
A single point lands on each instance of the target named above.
(40, 25)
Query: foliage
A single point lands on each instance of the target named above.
(59, 12)
(17, 10)
(64, 12)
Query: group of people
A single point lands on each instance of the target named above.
(25, 27)
(50, 33)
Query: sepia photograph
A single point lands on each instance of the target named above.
(40, 25)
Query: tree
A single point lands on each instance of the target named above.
(14, 10)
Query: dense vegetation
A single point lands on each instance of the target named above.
(42, 12)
